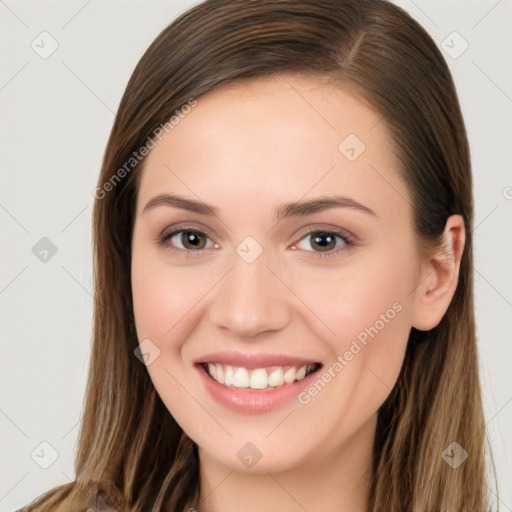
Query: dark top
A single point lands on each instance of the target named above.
(107, 499)
(102, 503)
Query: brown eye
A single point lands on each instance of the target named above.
(192, 240)
(324, 244)
(186, 240)
(325, 241)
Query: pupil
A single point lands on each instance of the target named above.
(190, 239)
(326, 236)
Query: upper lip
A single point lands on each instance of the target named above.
(253, 360)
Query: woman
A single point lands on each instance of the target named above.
(250, 364)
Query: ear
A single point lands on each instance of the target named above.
(439, 277)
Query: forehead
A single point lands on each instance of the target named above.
(278, 138)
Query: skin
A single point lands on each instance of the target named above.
(246, 149)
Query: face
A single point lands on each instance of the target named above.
(310, 306)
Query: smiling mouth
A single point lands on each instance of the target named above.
(266, 378)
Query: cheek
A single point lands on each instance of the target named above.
(163, 303)
(160, 298)
(152, 294)
(367, 306)
(367, 355)
(167, 299)
(354, 296)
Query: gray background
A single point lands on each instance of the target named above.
(56, 113)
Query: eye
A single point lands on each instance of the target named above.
(191, 242)
(329, 243)
(186, 241)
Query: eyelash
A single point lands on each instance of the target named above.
(163, 238)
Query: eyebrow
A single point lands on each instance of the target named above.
(283, 211)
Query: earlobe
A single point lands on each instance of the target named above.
(439, 277)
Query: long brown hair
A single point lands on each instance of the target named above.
(376, 50)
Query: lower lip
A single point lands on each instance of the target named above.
(246, 400)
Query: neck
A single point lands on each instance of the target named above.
(331, 481)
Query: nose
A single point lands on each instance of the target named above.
(250, 299)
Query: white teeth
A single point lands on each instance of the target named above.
(241, 378)
(258, 378)
(219, 373)
(276, 378)
(301, 373)
(228, 376)
(289, 376)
